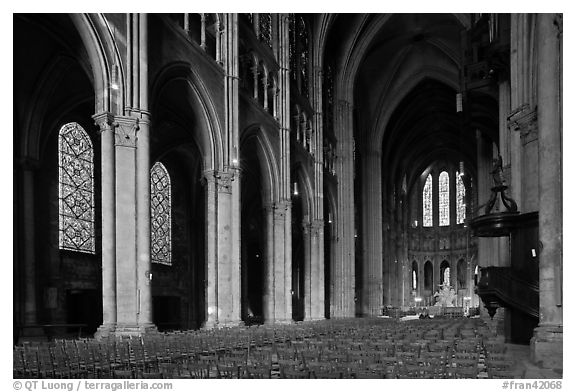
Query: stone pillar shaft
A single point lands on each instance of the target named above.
(546, 343)
(344, 292)
(29, 225)
(269, 298)
(211, 296)
(143, 224)
(279, 272)
(104, 122)
(126, 213)
(372, 235)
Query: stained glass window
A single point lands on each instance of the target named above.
(76, 189)
(427, 202)
(304, 54)
(266, 28)
(446, 277)
(328, 100)
(444, 198)
(161, 215)
(460, 200)
(292, 44)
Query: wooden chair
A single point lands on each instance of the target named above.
(512, 373)
(259, 372)
(465, 372)
(123, 374)
(227, 370)
(290, 373)
(198, 370)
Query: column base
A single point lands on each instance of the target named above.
(313, 319)
(230, 323)
(212, 324)
(104, 331)
(284, 321)
(134, 330)
(546, 347)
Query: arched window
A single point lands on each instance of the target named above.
(460, 200)
(414, 275)
(76, 189)
(445, 272)
(427, 202)
(299, 51)
(266, 28)
(444, 198)
(428, 272)
(304, 55)
(161, 215)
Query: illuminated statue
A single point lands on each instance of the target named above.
(446, 296)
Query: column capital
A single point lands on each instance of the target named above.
(317, 227)
(524, 120)
(125, 130)
(104, 121)
(221, 179)
(558, 22)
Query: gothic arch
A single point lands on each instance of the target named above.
(390, 102)
(103, 54)
(35, 128)
(209, 137)
(267, 159)
(305, 189)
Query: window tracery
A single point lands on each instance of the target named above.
(161, 215)
(76, 189)
(460, 199)
(444, 199)
(427, 202)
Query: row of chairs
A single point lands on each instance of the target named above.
(373, 348)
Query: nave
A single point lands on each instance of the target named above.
(352, 348)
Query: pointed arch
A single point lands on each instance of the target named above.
(268, 161)
(306, 190)
(209, 138)
(98, 39)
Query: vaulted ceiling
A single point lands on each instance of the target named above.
(406, 70)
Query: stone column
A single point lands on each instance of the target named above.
(343, 299)
(126, 215)
(372, 288)
(546, 344)
(29, 239)
(308, 275)
(236, 265)
(317, 269)
(211, 285)
(223, 296)
(268, 273)
(287, 241)
(143, 224)
(280, 272)
(105, 122)
(283, 208)
(225, 261)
